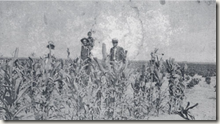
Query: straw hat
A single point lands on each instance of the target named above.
(50, 45)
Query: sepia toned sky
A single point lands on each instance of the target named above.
(184, 30)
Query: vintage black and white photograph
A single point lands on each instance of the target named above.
(108, 60)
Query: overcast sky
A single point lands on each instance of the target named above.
(182, 30)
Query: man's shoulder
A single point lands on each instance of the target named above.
(120, 48)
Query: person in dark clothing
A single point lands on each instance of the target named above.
(90, 40)
(116, 53)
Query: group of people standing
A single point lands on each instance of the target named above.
(117, 53)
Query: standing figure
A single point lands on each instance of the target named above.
(116, 53)
(90, 40)
(84, 49)
(51, 47)
(85, 55)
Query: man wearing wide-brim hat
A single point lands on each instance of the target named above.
(116, 53)
(51, 45)
(85, 52)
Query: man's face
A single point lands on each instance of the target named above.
(89, 34)
(115, 44)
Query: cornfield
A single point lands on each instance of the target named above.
(72, 89)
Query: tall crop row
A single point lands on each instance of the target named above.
(50, 89)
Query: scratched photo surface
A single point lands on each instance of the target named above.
(108, 60)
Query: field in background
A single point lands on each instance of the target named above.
(203, 69)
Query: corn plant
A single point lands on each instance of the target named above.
(12, 90)
(185, 113)
(193, 82)
(176, 85)
(208, 80)
(149, 97)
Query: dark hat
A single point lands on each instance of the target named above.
(84, 39)
(114, 40)
(50, 45)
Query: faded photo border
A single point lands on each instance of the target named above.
(140, 121)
